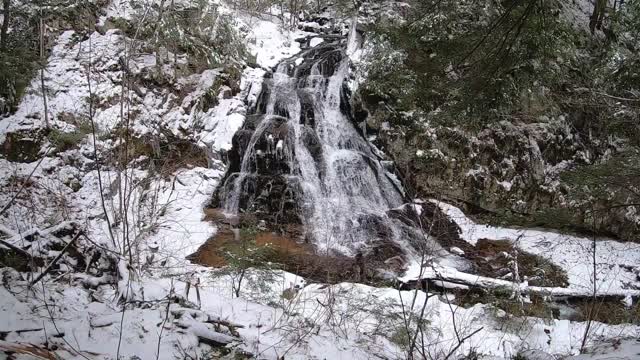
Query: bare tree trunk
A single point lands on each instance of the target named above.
(592, 308)
(175, 45)
(238, 286)
(157, 36)
(6, 13)
(42, 66)
(292, 12)
(598, 15)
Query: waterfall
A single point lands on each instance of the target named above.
(342, 189)
(353, 40)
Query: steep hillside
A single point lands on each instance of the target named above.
(517, 113)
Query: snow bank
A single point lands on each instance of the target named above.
(617, 263)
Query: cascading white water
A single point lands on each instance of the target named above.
(345, 192)
(353, 186)
(233, 202)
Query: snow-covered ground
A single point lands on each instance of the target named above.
(616, 262)
(344, 321)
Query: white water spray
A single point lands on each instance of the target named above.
(345, 192)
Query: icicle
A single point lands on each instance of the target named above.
(270, 142)
(280, 150)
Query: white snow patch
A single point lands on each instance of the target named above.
(316, 41)
(615, 260)
(506, 185)
(270, 43)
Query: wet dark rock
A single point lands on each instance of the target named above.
(377, 228)
(307, 110)
(405, 214)
(260, 106)
(310, 140)
(327, 56)
(273, 199)
(251, 122)
(22, 146)
(280, 109)
(320, 20)
(239, 142)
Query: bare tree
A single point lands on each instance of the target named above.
(591, 312)
(42, 67)
(6, 18)
(597, 17)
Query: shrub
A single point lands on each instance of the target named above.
(197, 29)
(401, 337)
(63, 141)
(417, 63)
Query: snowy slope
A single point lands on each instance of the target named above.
(616, 262)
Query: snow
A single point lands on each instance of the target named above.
(221, 122)
(506, 185)
(117, 9)
(342, 321)
(615, 260)
(315, 41)
(456, 250)
(182, 228)
(66, 81)
(354, 41)
(270, 43)
(619, 350)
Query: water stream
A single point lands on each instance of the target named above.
(344, 191)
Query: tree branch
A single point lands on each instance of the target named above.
(50, 266)
(461, 341)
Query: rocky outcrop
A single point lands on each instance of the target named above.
(505, 171)
(23, 146)
(505, 166)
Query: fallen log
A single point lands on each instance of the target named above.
(34, 351)
(208, 317)
(16, 249)
(228, 324)
(104, 321)
(204, 317)
(445, 279)
(28, 350)
(93, 282)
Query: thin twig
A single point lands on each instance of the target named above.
(55, 326)
(166, 317)
(95, 149)
(460, 343)
(54, 261)
(25, 181)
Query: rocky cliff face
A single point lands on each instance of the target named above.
(508, 167)
(508, 172)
